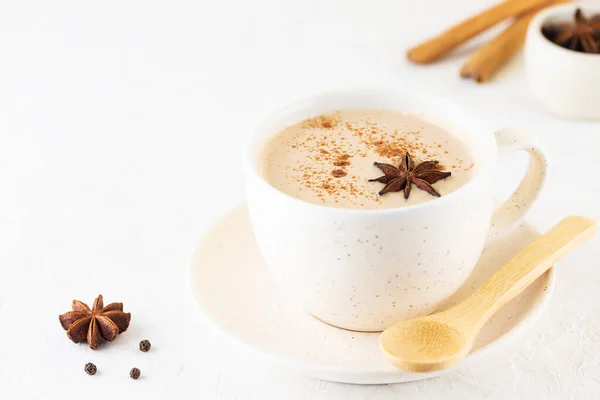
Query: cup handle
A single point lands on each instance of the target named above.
(508, 215)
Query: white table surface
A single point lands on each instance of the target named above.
(121, 128)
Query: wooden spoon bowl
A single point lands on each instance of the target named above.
(429, 344)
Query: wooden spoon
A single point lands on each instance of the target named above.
(441, 340)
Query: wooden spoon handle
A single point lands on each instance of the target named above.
(523, 269)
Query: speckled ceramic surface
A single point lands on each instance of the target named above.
(234, 290)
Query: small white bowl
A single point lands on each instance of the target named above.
(565, 81)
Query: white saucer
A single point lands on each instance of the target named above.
(234, 290)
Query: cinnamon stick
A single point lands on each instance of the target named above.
(486, 61)
(436, 47)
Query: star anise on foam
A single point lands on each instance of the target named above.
(92, 325)
(582, 35)
(423, 175)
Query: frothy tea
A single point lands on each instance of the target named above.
(329, 159)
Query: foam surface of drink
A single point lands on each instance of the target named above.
(328, 159)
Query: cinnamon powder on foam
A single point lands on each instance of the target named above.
(389, 145)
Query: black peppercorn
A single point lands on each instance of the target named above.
(134, 373)
(145, 346)
(90, 369)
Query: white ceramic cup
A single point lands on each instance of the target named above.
(564, 81)
(365, 270)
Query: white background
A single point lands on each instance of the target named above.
(121, 129)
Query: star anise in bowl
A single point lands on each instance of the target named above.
(582, 35)
(92, 325)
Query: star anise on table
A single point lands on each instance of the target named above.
(582, 35)
(92, 325)
(423, 175)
